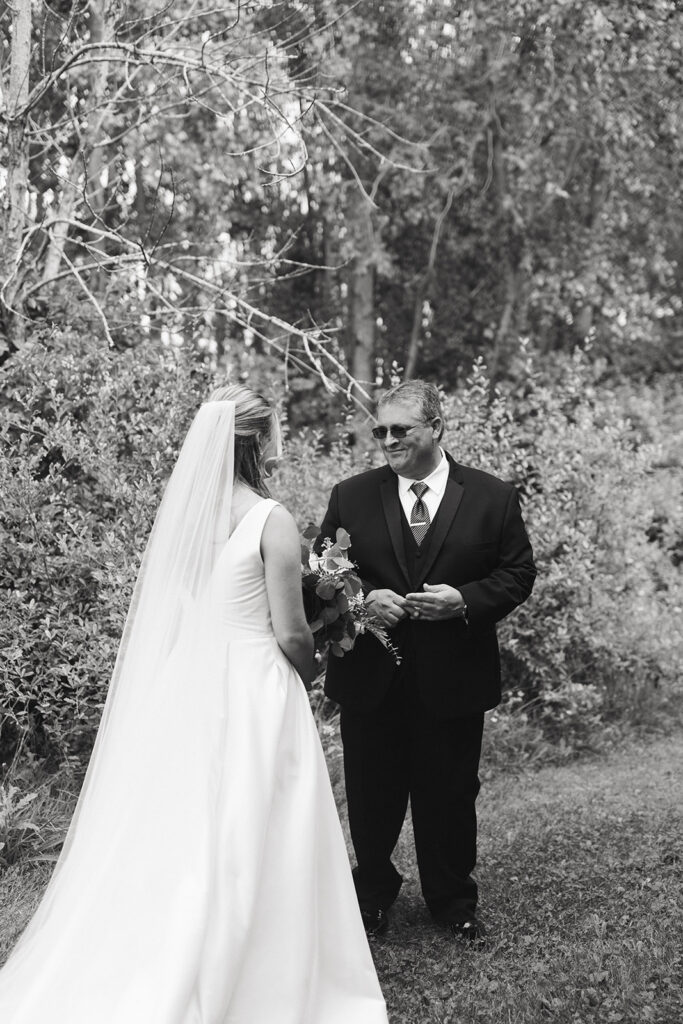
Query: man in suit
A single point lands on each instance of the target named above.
(443, 555)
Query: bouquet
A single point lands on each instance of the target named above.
(333, 597)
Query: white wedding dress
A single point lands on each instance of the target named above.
(207, 879)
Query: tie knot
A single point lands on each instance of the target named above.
(419, 488)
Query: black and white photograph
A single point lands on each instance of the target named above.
(341, 512)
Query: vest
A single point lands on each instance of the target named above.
(416, 554)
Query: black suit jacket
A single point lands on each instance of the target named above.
(478, 544)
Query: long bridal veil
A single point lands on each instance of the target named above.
(141, 834)
(205, 877)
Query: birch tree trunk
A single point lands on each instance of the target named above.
(422, 293)
(78, 186)
(361, 288)
(599, 185)
(15, 205)
(513, 248)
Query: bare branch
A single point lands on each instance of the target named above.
(348, 163)
(363, 143)
(91, 297)
(127, 53)
(380, 125)
(118, 259)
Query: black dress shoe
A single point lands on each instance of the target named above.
(375, 922)
(471, 930)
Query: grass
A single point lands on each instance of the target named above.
(581, 871)
(21, 887)
(581, 875)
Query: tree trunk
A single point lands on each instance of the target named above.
(513, 241)
(15, 214)
(583, 318)
(583, 321)
(59, 231)
(361, 288)
(327, 297)
(74, 189)
(98, 73)
(423, 287)
(512, 287)
(416, 329)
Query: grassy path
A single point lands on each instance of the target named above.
(581, 874)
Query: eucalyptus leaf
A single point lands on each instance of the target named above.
(343, 539)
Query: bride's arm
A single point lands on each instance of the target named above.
(281, 551)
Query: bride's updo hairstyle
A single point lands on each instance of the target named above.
(256, 424)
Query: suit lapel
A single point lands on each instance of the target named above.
(447, 509)
(393, 513)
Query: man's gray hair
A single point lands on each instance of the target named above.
(423, 394)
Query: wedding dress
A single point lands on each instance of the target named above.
(205, 878)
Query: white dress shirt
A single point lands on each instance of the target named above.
(436, 484)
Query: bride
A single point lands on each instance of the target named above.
(204, 878)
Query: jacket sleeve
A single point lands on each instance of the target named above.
(492, 598)
(330, 523)
(328, 528)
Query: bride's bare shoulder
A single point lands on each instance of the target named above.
(282, 518)
(280, 530)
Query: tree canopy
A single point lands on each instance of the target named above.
(408, 182)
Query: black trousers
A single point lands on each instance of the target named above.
(400, 751)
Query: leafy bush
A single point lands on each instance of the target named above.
(89, 439)
(85, 446)
(600, 632)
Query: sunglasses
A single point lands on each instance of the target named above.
(397, 430)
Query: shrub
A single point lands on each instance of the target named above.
(600, 632)
(85, 446)
(89, 439)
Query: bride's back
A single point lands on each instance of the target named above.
(239, 587)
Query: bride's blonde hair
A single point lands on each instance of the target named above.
(256, 423)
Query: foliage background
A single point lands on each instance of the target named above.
(89, 439)
(406, 181)
(319, 198)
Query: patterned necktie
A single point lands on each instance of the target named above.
(419, 517)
